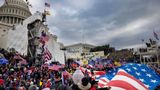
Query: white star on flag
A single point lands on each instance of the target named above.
(144, 70)
(153, 81)
(138, 74)
(147, 86)
(142, 80)
(149, 75)
(128, 69)
(134, 68)
(130, 64)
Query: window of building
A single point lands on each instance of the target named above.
(8, 10)
(13, 10)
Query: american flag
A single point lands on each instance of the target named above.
(96, 73)
(44, 37)
(140, 71)
(124, 81)
(47, 55)
(102, 82)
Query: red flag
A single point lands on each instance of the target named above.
(1, 81)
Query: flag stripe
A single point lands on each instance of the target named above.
(47, 55)
(131, 77)
(131, 81)
(122, 84)
(103, 82)
(126, 81)
(101, 85)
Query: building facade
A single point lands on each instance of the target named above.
(12, 13)
(79, 48)
(149, 54)
(21, 30)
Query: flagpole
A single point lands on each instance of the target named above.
(157, 49)
(140, 51)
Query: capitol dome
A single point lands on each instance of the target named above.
(14, 11)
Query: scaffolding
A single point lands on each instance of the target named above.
(151, 54)
(35, 51)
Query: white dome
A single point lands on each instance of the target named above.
(14, 11)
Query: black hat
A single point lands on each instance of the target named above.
(84, 84)
(85, 81)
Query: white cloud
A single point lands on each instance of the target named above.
(69, 11)
(132, 46)
(37, 5)
(81, 4)
(131, 29)
(1, 3)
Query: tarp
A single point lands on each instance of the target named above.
(3, 61)
(54, 47)
(18, 38)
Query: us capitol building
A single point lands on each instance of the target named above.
(12, 12)
(21, 30)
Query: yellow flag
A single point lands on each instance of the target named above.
(117, 63)
(85, 62)
(40, 83)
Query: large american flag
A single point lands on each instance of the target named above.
(140, 71)
(124, 81)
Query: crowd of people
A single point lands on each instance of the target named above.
(18, 76)
(21, 76)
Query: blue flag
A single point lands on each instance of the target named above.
(140, 71)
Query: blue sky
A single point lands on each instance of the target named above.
(120, 23)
